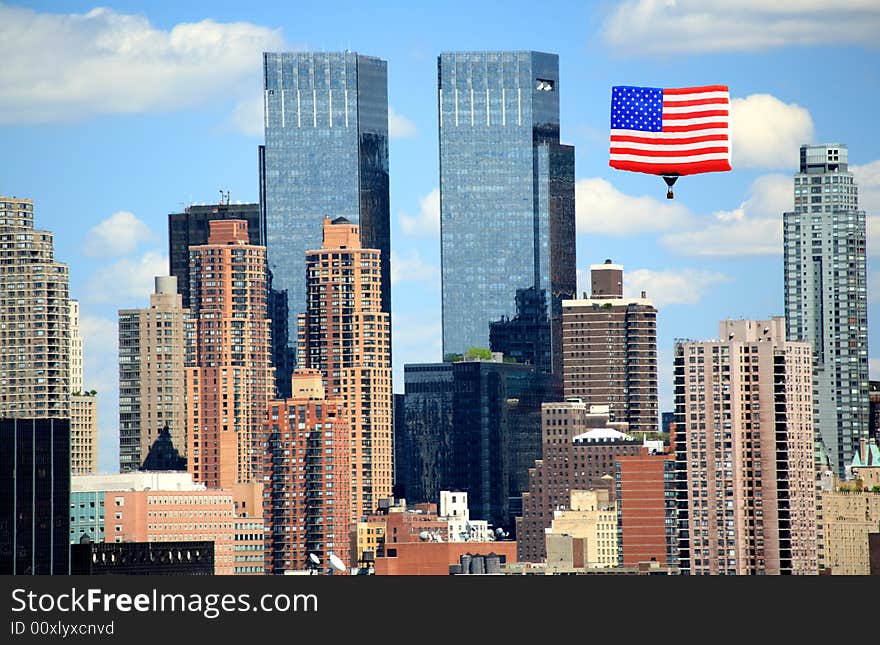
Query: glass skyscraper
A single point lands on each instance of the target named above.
(507, 217)
(826, 297)
(326, 154)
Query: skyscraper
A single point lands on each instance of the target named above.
(472, 425)
(744, 452)
(609, 347)
(229, 376)
(326, 154)
(35, 499)
(152, 352)
(826, 297)
(34, 318)
(507, 219)
(346, 335)
(307, 477)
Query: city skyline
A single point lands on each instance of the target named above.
(104, 170)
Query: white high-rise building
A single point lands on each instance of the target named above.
(76, 349)
(826, 297)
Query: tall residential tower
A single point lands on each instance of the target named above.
(347, 336)
(744, 446)
(229, 376)
(826, 297)
(35, 317)
(609, 346)
(507, 218)
(152, 350)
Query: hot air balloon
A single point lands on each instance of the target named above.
(670, 132)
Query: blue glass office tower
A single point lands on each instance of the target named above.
(326, 153)
(507, 217)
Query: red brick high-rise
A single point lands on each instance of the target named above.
(306, 492)
(229, 374)
(347, 336)
(646, 512)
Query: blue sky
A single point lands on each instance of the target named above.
(111, 118)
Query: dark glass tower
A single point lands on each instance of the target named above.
(473, 426)
(326, 154)
(507, 218)
(35, 499)
(190, 228)
(526, 337)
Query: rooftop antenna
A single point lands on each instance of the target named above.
(224, 197)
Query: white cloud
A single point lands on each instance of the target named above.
(754, 228)
(603, 209)
(672, 286)
(767, 133)
(675, 26)
(58, 67)
(868, 179)
(127, 282)
(874, 369)
(119, 234)
(411, 267)
(399, 127)
(427, 222)
(247, 117)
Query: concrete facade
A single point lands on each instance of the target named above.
(83, 434)
(744, 447)
(34, 318)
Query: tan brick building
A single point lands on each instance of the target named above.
(152, 352)
(34, 318)
(591, 520)
(744, 439)
(847, 513)
(346, 335)
(83, 434)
